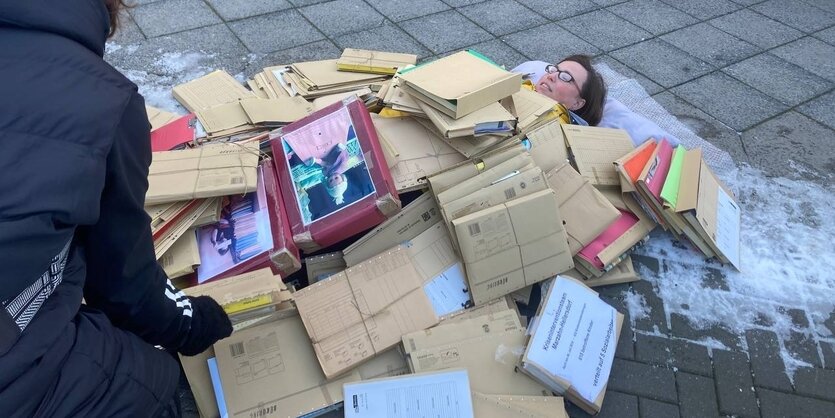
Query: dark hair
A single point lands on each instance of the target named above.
(113, 8)
(593, 91)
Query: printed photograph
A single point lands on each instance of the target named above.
(242, 233)
(327, 166)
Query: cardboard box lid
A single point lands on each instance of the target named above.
(502, 406)
(595, 149)
(274, 365)
(213, 89)
(490, 360)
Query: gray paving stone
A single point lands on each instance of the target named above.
(275, 31)
(816, 382)
(608, 2)
(397, 10)
(721, 96)
(461, 3)
(319, 50)
(756, 28)
(626, 343)
(811, 54)
(172, 16)
(661, 62)
(239, 9)
(668, 352)
(302, 3)
(500, 52)
(650, 264)
(790, 136)
(780, 405)
(656, 320)
(778, 78)
(615, 405)
(747, 2)
(605, 30)
(501, 17)
(734, 384)
(141, 2)
(681, 327)
(820, 109)
(826, 35)
(342, 16)
(827, 5)
(650, 408)
(714, 279)
(433, 31)
(641, 379)
(797, 14)
(766, 363)
(710, 44)
(561, 10)
(653, 15)
(704, 9)
(217, 45)
(802, 346)
(560, 43)
(385, 38)
(128, 32)
(828, 349)
(696, 396)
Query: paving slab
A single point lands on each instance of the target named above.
(626, 340)
(342, 16)
(314, 51)
(650, 408)
(779, 78)
(500, 52)
(656, 320)
(790, 137)
(779, 405)
(828, 350)
(756, 29)
(711, 45)
(608, 2)
(662, 63)
(560, 43)
(802, 346)
(826, 35)
(734, 384)
(615, 405)
(384, 38)
(275, 31)
(462, 3)
(827, 5)
(128, 32)
(166, 17)
(433, 31)
(302, 3)
(562, 10)
(696, 396)
(820, 109)
(653, 16)
(816, 382)
(605, 30)
(644, 380)
(766, 363)
(734, 103)
(811, 54)
(681, 327)
(680, 354)
(239, 9)
(704, 9)
(501, 17)
(797, 14)
(399, 10)
(650, 86)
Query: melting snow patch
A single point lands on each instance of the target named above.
(636, 305)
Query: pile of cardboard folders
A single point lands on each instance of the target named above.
(424, 297)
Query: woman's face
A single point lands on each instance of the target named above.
(564, 92)
(335, 179)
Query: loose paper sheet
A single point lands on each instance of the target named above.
(445, 394)
(448, 291)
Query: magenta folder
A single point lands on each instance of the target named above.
(612, 233)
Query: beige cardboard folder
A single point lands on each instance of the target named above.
(159, 117)
(623, 272)
(548, 147)
(374, 62)
(585, 211)
(490, 360)
(503, 406)
(504, 251)
(182, 257)
(464, 170)
(450, 332)
(634, 235)
(530, 108)
(595, 149)
(421, 152)
(245, 293)
(273, 367)
(460, 84)
(470, 124)
(196, 370)
(253, 111)
(213, 89)
(179, 226)
(208, 171)
(485, 178)
(323, 74)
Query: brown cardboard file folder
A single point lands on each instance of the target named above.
(503, 406)
(595, 149)
(208, 171)
(245, 293)
(513, 245)
(462, 171)
(460, 84)
(467, 125)
(450, 332)
(374, 62)
(215, 88)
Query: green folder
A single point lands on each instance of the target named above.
(669, 192)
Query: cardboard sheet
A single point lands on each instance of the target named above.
(182, 257)
(450, 332)
(213, 89)
(502, 406)
(374, 62)
(719, 216)
(248, 292)
(530, 108)
(595, 149)
(492, 118)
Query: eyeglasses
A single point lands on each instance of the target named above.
(562, 75)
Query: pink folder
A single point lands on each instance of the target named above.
(612, 233)
(172, 134)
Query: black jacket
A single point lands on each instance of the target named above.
(74, 157)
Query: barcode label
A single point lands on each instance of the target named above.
(510, 193)
(237, 180)
(237, 349)
(475, 229)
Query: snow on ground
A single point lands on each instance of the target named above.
(787, 231)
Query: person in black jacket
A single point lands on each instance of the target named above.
(74, 157)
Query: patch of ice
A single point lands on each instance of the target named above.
(636, 305)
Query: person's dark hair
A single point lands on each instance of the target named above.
(113, 8)
(593, 91)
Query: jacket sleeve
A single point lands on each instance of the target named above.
(124, 279)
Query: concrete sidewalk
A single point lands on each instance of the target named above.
(753, 77)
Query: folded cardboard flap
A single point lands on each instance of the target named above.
(503, 251)
(159, 118)
(529, 107)
(181, 258)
